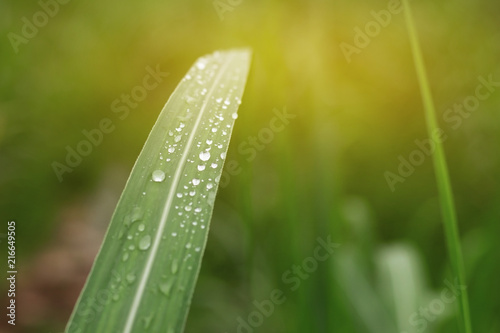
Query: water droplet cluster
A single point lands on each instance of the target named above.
(195, 142)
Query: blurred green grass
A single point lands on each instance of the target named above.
(352, 121)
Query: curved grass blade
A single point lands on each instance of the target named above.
(144, 275)
(442, 177)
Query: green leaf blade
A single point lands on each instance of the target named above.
(145, 273)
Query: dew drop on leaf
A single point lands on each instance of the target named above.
(204, 155)
(130, 278)
(190, 100)
(136, 214)
(211, 198)
(165, 288)
(201, 65)
(147, 321)
(145, 242)
(175, 266)
(158, 176)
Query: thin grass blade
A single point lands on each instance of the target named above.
(442, 176)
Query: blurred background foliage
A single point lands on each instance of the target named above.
(322, 175)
